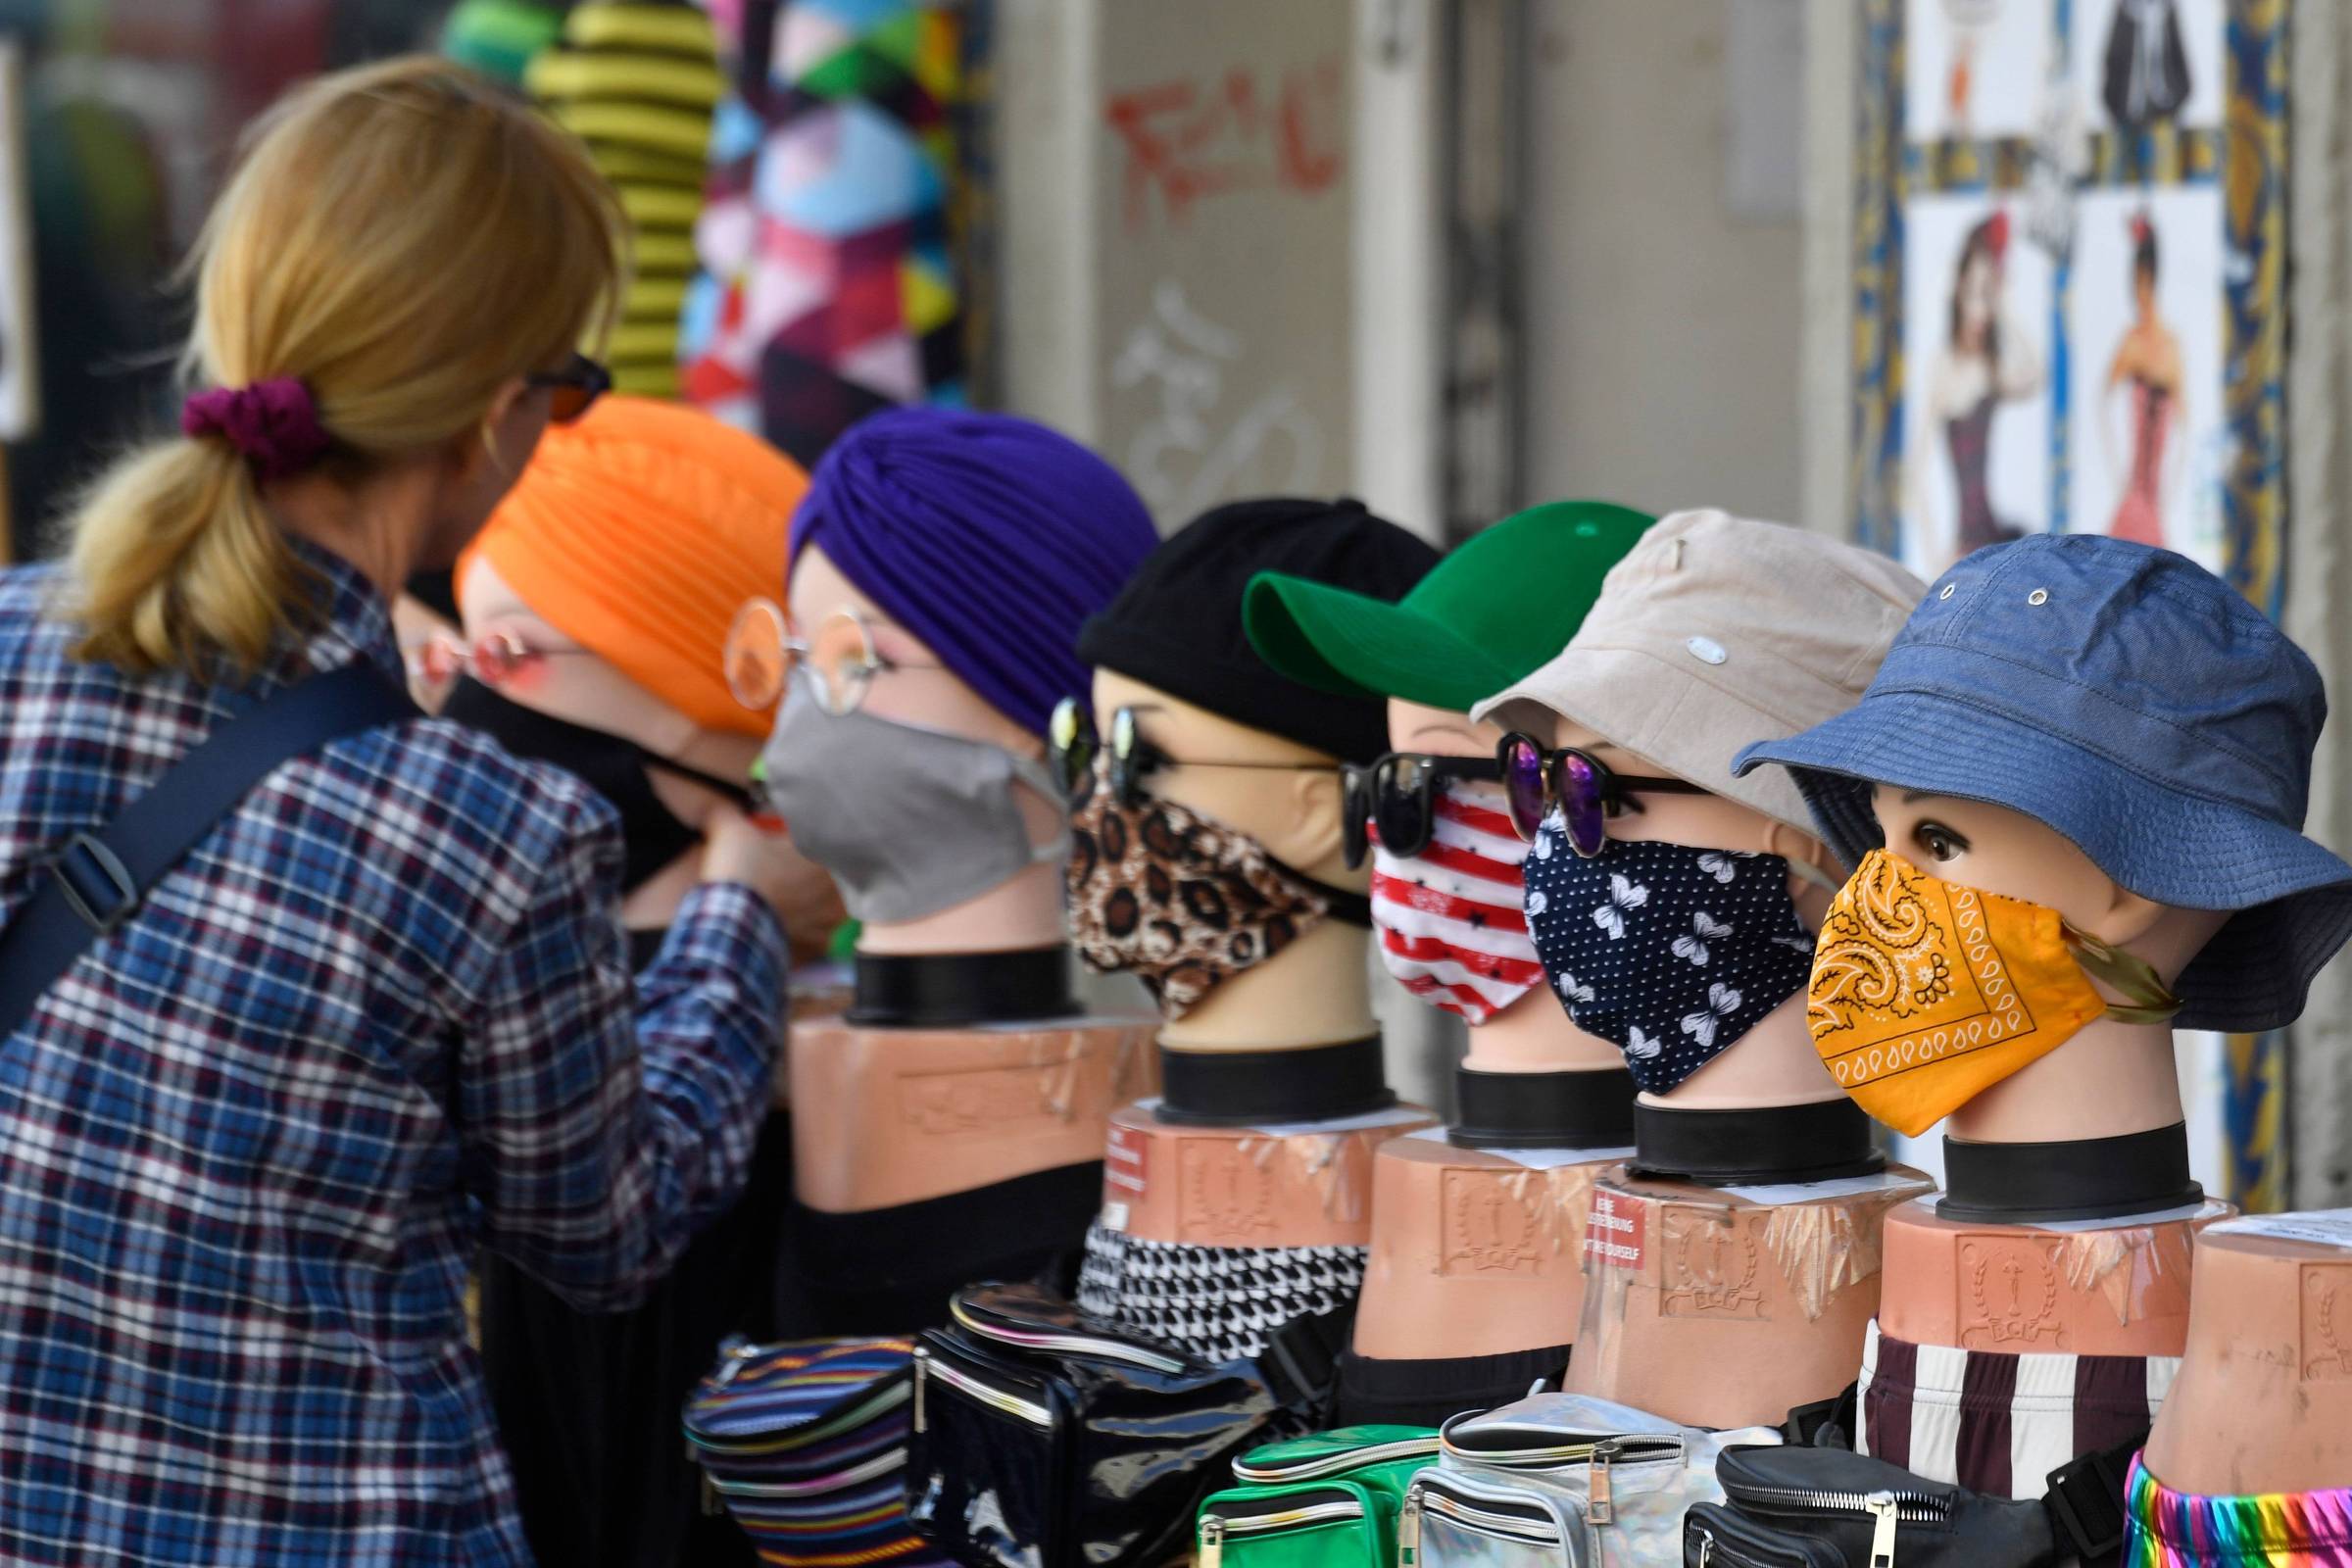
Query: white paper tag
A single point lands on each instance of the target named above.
(1774, 1194)
(2123, 1222)
(2329, 1227)
(1115, 1217)
(1537, 1158)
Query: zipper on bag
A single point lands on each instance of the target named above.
(930, 1368)
(1215, 1527)
(1328, 1464)
(1058, 1343)
(1906, 1508)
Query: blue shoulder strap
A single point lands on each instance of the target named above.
(100, 879)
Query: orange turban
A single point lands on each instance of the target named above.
(639, 532)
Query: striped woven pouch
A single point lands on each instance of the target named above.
(805, 1444)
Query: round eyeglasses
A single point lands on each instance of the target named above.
(839, 660)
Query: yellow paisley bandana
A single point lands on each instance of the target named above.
(1925, 993)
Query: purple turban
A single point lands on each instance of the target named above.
(990, 537)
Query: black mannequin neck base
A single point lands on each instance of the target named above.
(1249, 1088)
(952, 990)
(1590, 1109)
(1817, 1142)
(2090, 1178)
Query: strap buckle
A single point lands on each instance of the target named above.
(96, 883)
(2086, 1497)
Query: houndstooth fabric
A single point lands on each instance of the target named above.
(1218, 1303)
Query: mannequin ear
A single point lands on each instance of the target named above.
(2128, 917)
(1809, 859)
(1813, 878)
(1313, 837)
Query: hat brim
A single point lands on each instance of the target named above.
(1683, 725)
(2289, 899)
(1358, 646)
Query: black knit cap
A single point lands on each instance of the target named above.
(1177, 624)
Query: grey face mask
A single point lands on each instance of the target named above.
(908, 821)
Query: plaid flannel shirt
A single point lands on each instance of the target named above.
(249, 1145)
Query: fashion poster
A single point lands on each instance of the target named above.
(1976, 67)
(2148, 428)
(2070, 314)
(1976, 344)
(2149, 63)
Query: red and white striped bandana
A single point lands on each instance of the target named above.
(1452, 919)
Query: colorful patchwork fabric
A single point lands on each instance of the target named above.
(638, 83)
(828, 288)
(2167, 1529)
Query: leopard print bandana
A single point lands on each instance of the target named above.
(1181, 901)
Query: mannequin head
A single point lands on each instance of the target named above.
(1447, 911)
(1712, 632)
(2107, 732)
(966, 549)
(1251, 761)
(613, 569)
(1289, 801)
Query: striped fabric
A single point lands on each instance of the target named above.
(1999, 1422)
(1452, 928)
(806, 1442)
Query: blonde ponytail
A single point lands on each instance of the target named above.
(405, 241)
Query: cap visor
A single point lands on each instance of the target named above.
(1345, 642)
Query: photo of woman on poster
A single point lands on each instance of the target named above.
(2145, 376)
(1986, 360)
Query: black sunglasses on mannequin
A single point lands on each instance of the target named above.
(1072, 745)
(1397, 793)
(1581, 785)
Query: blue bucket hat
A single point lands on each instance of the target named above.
(2136, 703)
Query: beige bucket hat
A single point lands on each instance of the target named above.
(1716, 632)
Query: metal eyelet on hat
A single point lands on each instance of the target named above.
(2040, 595)
(1948, 591)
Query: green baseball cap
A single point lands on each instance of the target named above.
(1502, 604)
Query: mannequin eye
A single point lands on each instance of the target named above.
(1939, 842)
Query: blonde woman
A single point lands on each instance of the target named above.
(382, 1013)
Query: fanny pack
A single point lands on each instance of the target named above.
(1823, 1508)
(1046, 1439)
(1455, 1519)
(806, 1446)
(1628, 1475)
(1326, 1500)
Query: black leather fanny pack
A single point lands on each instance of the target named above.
(1789, 1507)
(1045, 1439)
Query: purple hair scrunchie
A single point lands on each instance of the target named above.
(990, 537)
(274, 423)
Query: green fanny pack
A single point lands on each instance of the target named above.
(1326, 1500)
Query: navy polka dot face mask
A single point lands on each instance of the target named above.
(1670, 950)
